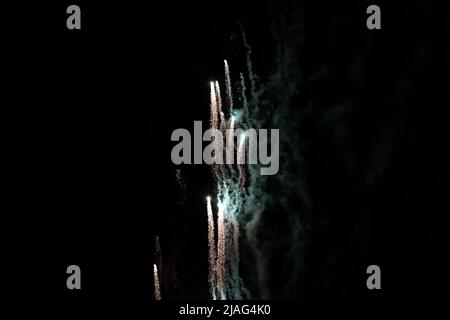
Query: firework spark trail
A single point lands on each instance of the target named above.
(252, 76)
(234, 265)
(157, 249)
(244, 97)
(228, 87)
(230, 142)
(241, 160)
(214, 121)
(156, 283)
(212, 250)
(232, 279)
(218, 97)
(228, 254)
(182, 184)
(224, 280)
(180, 180)
(158, 256)
(213, 115)
(223, 123)
(220, 265)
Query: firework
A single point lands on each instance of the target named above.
(213, 115)
(156, 283)
(228, 87)
(218, 97)
(158, 256)
(212, 250)
(241, 160)
(220, 264)
(223, 254)
(230, 142)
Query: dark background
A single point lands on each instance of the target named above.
(92, 112)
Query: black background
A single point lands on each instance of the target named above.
(92, 112)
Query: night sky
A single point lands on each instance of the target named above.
(363, 177)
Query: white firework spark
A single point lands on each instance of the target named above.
(156, 283)
(212, 250)
(228, 87)
(218, 97)
(241, 160)
(224, 280)
(213, 102)
(220, 265)
(230, 142)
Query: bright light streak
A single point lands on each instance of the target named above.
(212, 250)
(156, 283)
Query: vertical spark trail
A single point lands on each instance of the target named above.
(218, 97)
(223, 123)
(158, 256)
(235, 256)
(228, 87)
(213, 115)
(180, 180)
(223, 126)
(212, 250)
(214, 120)
(241, 160)
(252, 76)
(220, 266)
(230, 142)
(244, 97)
(241, 150)
(156, 283)
(182, 184)
(224, 280)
